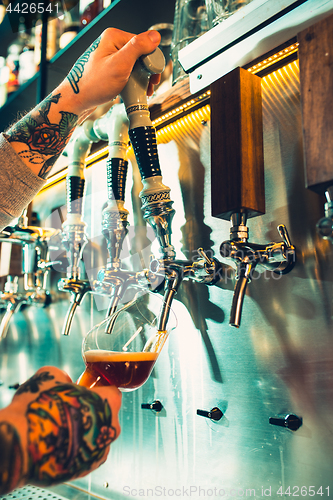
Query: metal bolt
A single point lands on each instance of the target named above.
(199, 76)
(105, 484)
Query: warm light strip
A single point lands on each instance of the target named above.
(60, 176)
(170, 131)
(173, 113)
(185, 125)
(274, 58)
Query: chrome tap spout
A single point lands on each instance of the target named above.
(206, 270)
(242, 279)
(278, 258)
(14, 303)
(78, 290)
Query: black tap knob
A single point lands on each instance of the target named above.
(290, 421)
(155, 406)
(214, 414)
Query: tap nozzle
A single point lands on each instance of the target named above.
(279, 258)
(78, 290)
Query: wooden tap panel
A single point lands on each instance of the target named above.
(237, 159)
(316, 78)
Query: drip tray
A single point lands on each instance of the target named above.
(32, 493)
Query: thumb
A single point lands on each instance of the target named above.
(138, 45)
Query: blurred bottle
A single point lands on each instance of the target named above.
(12, 62)
(4, 76)
(27, 67)
(2, 11)
(70, 26)
(89, 10)
(53, 33)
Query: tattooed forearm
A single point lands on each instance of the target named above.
(69, 428)
(76, 72)
(11, 461)
(42, 141)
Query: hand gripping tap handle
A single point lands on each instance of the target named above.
(155, 196)
(141, 132)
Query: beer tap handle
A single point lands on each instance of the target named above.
(290, 252)
(284, 235)
(205, 256)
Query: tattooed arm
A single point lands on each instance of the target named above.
(54, 430)
(97, 77)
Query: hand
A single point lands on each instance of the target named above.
(100, 74)
(97, 77)
(60, 430)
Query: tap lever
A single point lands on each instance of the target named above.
(289, 252)
(214, 414)
(155, 406)
(284, 235)
(205, 256)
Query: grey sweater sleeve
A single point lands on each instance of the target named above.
(18, 184)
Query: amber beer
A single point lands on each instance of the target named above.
(125, 370)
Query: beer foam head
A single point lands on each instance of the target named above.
(100, 355)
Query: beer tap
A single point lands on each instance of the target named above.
(113, 280)
(325, 225)
(237, 180)
(278, 257)
(35, 243)
(74, 228)
(155, 196)
(316, 100)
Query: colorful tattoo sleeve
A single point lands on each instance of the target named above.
(11, 461)
(69, 428)
(44, 140)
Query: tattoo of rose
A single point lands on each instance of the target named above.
(46, 139)
(50, 139)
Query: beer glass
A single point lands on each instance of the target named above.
(218, 10)
(126, 356)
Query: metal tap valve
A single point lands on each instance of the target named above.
(279, 258)
(325, 225)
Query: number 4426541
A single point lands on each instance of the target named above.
(303, 491)
(33, 8)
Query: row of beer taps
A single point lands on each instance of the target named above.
(123, 122)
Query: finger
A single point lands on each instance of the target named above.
(113, 397)
(56, 373)
(138, 45)
(154, 80)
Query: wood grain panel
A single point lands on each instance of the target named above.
(237, 145)
(316, 76)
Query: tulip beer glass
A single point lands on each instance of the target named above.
(126, 356)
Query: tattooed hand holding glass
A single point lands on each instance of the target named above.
(54, 430)
(97, 77)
